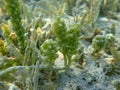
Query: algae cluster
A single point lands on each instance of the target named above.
(59, 45)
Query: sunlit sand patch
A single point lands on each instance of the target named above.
(60, 57)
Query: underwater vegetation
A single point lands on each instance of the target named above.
(65, 39)
(59, 45)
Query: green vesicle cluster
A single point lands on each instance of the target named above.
(110, 39)
(49, 49)
(13, 10)
(98, 43)
(68, 40)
